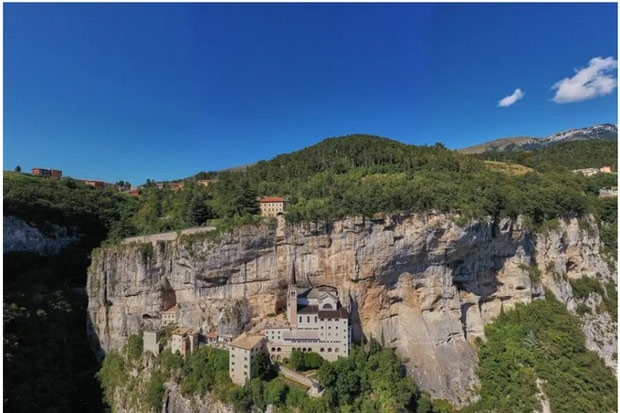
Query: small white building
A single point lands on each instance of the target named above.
(243, 349)
(170, 316)
(184, 340)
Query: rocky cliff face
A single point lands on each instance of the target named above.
(421, 283)
(21, 236)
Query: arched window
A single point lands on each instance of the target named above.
(279, 349)
(329, 349)
(337, 350)
(273, 349)
(322, 349)
(327, 306)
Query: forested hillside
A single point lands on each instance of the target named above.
(48, 364)
(44, 305)
(568, 155)
(363, 175)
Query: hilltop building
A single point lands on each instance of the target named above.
(47, 173)
(207, 182)
(174, 186)
(184, 340)
(594, 171)
(243, 349)
(270, 207)
(95, 183)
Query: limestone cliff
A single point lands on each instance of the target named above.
(420, 283)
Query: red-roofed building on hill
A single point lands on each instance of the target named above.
(47, 173)
(270, 207)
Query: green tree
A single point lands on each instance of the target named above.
(297, 360)
(261, 366)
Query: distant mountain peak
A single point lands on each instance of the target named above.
(524, 143)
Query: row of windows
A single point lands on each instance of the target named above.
(306, 349)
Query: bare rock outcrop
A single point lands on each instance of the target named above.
(420, 283)
(50, 239)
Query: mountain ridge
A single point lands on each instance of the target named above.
(522, 143)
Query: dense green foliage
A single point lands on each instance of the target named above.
(364, 382)
(261, 367)
(364, 175)
(62, 202)
(541, 341)
(305, 361)
(584, 286)
(606, 212)
(568, 155)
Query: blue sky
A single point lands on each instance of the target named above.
(162, 91)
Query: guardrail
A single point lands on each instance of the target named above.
(166, 236)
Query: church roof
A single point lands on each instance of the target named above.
(338, 313)
(318, 292)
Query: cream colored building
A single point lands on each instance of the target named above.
(271, 207)
(170, 316)
(184, 340)
(316, 322)
(207, 182)
(242, 350)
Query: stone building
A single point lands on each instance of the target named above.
(271, 207)
(150, 342)
(170, 316)
(316, 322)
(243, 349)
(184, 340)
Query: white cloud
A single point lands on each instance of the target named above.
(510, 99)
(597, 79)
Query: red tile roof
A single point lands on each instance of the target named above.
(267, 200)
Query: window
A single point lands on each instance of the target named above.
(300, 318)
(315, 318)
(329, 349)
(308, 319)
